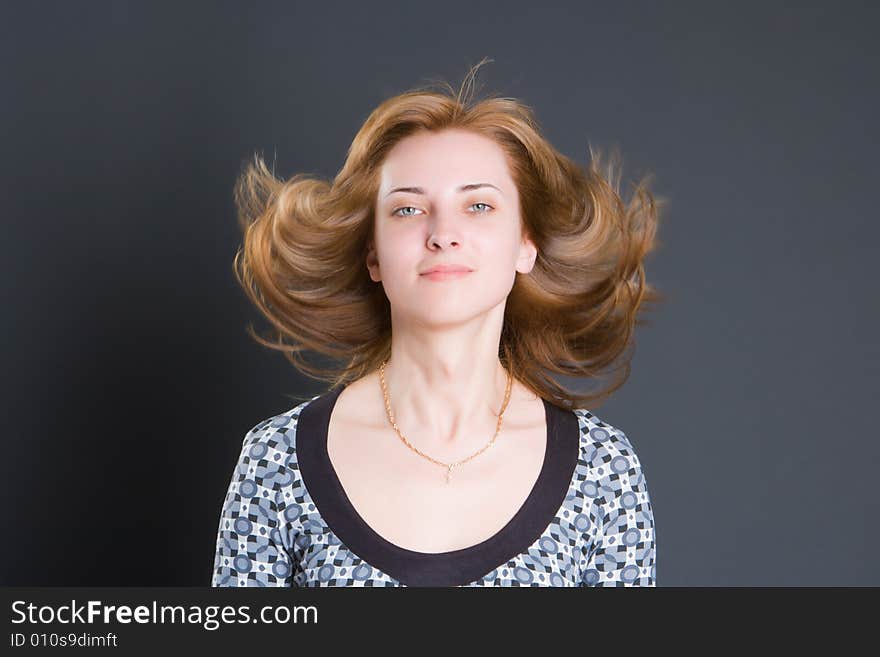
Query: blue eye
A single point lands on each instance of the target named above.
(409, 207)
(406, 207)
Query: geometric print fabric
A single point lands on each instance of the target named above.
(270, 532)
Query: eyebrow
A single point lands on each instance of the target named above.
(463, 188)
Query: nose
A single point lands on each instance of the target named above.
(443, 231)
(442, 240)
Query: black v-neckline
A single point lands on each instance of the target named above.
(452, 568)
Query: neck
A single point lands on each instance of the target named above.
(449, 402)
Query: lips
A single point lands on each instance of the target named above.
(446, 275)
(446, 269)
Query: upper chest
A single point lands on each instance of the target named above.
(404, 497)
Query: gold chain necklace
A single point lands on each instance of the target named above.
(448, 466)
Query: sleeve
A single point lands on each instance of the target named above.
(250, 549)
(623, 550)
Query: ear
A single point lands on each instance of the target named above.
(528, 252)
(372, 260)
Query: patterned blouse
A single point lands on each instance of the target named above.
(286, 520)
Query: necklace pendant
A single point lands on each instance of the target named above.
(449, 472)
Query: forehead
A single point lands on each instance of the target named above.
(441, 161)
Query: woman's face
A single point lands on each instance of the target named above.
(434, 221)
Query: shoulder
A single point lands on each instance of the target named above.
(276, 425)
(608, 462)
(268, 451)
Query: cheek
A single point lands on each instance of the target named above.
(399, 257)
(499, 250)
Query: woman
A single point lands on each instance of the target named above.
(454, 261)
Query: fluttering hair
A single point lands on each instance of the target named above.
(302, 260)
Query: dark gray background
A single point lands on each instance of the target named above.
(129, 379)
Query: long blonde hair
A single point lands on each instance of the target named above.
(302, 261)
